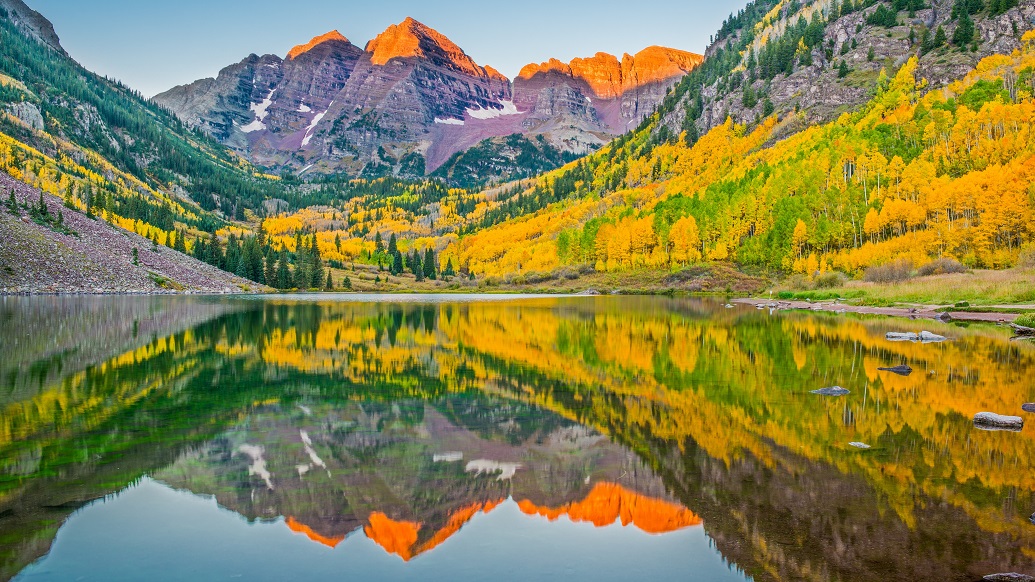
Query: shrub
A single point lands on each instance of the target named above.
(830, 279)
(1026, 320)
(894, 272)
(941, 267)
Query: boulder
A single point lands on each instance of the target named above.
(900, 370)
(992, 421)
(832, 391)
(945, 317)
(902, 337)
(860, 445)
(1029, 407)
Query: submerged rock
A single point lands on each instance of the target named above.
(860, 445)
(1009, 577)
(924, 336)
(992, 421)
(1030, 407)
(832, 391)
(900, 370)
(944, 317)
(928, 337)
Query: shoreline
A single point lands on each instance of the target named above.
(932, 312)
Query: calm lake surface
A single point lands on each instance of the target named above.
(503, 438)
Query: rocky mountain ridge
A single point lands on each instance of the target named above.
(411, 99)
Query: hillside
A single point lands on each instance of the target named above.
(63, 251)
(412, 100)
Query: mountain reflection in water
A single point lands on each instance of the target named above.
(407, 423)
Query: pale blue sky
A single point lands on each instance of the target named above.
(154, 45)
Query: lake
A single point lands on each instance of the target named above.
(504, 438)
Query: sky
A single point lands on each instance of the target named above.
(155, 45)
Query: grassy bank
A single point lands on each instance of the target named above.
(713, 279)
(973, 289)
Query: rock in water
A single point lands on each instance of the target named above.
(900, 370)
(992, 421)
(860, 445)
(928, 337)
(832, 391)
(945, 317)
(1030, 407)
(1009, 577)
(902, 337)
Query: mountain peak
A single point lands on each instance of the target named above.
(332, 36)
(413, 39)
(32, 23)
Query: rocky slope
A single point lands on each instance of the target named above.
(816, 88)
(411, 99)
(86, 255)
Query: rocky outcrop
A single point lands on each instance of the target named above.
(412, 99)
(31, 23)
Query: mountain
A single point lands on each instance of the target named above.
(412, 99)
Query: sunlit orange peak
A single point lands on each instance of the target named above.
(333, 35)
(299, 527)
(396, 537)
(608, 502)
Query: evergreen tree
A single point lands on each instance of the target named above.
(69, 193)
(964, 33)
(379, 245)
(346, 283)
(89, 202)
(136, 256)
(940, 38)
(181, 242)
(12, 202)
(842, 71)
(449, 270)
(214, 252)
(397, 263)
(330, 284)
(316, 264)
(430, 267)
(270, 272)
(283, 272)
(393, 245)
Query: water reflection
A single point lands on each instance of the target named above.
(405, 423)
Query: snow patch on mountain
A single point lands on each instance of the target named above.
(312, 125)
(261, 111)
(449, 121)
(508, 108)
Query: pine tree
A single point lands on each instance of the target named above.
(393, 245)
(136, 256)
(181, 242)
(12, 202)
(449, 270)
(964, 33)
(316, 264)
(379, 245)
(89, 202)
(283, 272)
(940, 38)
(397, 263)
(842, 71)
(270, 273)
(330, 284)
(346, 283)
(430, 268)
